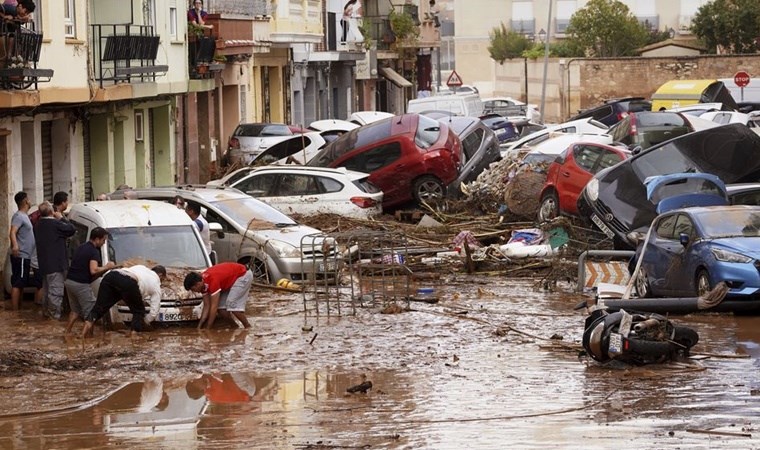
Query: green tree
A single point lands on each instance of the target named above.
(606, 28)
(506, 44)
(734, 25)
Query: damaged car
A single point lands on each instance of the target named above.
(615, 199)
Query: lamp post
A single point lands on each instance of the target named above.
(546, 60)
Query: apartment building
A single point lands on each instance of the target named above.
(475, 18)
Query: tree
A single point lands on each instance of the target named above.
(607, 28)
(732, 25)
(506, 44)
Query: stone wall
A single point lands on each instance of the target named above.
(577, 83)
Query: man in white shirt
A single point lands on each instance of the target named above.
(193, 210)
(133, 285)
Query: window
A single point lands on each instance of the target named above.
(374, 159)
(149, 13)
(139, 126)
(683, 226)
(586, 156)
(608, 159)
(258, 186)
(328, 185)
(428, 131)
(69, 19)
(471, 143)
(565, 10)
(523, 20)
(173, 22)
(666, 226)
(291, 184)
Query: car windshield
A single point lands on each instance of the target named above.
(170, 246)
(428, 131)
(251, 213)
(722, 223)
(666, 159)
(238, 175)
(262, 129)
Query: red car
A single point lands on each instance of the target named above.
(569, 173)
(409, 157)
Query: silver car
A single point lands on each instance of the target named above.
(250, 232)
(480, 148)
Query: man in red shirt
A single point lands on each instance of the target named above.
(224, 287)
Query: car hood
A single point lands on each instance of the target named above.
(293, 234)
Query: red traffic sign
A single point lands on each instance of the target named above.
(741, 78)
(454, 79)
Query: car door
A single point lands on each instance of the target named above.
(658, 256)
(682, 269)
(574, 174)
(295, 193)
(226, 243)
(389, 170)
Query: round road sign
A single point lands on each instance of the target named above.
(741, 78)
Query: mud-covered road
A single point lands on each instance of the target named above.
(476, 370)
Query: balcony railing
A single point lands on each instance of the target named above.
(20, 46)
(234, 36)
(125, 53)
(381, 32)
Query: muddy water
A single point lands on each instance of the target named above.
(476, 370)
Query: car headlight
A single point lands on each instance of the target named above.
(727, 256)
(592, 189)
(285, 250)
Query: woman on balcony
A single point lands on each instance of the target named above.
(349, 25)
(197, 15)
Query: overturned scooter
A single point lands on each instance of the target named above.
(635, 338)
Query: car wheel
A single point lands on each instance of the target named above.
(549, 208)
(427, 189)
(642, 284)
(703, 285)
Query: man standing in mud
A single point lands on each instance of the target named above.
(86, 267)
(22, 246)
(51, 234)
(225, 288)
(131, 284)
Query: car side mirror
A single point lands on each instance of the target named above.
(684, 238)
(215, 227)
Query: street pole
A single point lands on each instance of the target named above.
(546, 62)
(525, 70)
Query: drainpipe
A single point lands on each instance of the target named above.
(569, 97)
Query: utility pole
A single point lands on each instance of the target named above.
(546, 62)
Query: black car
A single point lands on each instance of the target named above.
(613, 111)
(615, 200)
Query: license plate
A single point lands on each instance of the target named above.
(605, 229)
(174, 317)
(329, 266)
(616, 343)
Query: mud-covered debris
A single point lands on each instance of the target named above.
(15, 363)
(362, 387)
(392, 308)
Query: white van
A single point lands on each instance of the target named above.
(455, 105)
(146, 232)
(751, 92)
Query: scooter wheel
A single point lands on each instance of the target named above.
(644, 352)
(686, 337)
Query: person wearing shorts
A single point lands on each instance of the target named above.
(131, 284)
(22, 248)
(86, 266)
(225, 288)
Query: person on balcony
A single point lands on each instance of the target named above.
(197, 15)
(349, 23)
(21, 12)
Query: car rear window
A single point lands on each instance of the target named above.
(354, 139)
(428, 132)
(262, 129)
(659, 119)
(366, 186)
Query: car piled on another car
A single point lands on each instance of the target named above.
(410, 157)
(250, 139)
(615, 199)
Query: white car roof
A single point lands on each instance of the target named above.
(332, 125)
(365, 117)
(560, 141)
(736, 117)
(697, 107)
(132, 213)
(339, 171)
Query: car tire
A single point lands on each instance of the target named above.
(702, 283)
(549, 207)
(428, 189)
(642, 286)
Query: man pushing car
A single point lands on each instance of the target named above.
(225, 290)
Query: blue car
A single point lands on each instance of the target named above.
(504, 129)
(690, 250)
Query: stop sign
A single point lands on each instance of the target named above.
(741, 78)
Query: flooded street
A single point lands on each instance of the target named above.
(477, 370)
